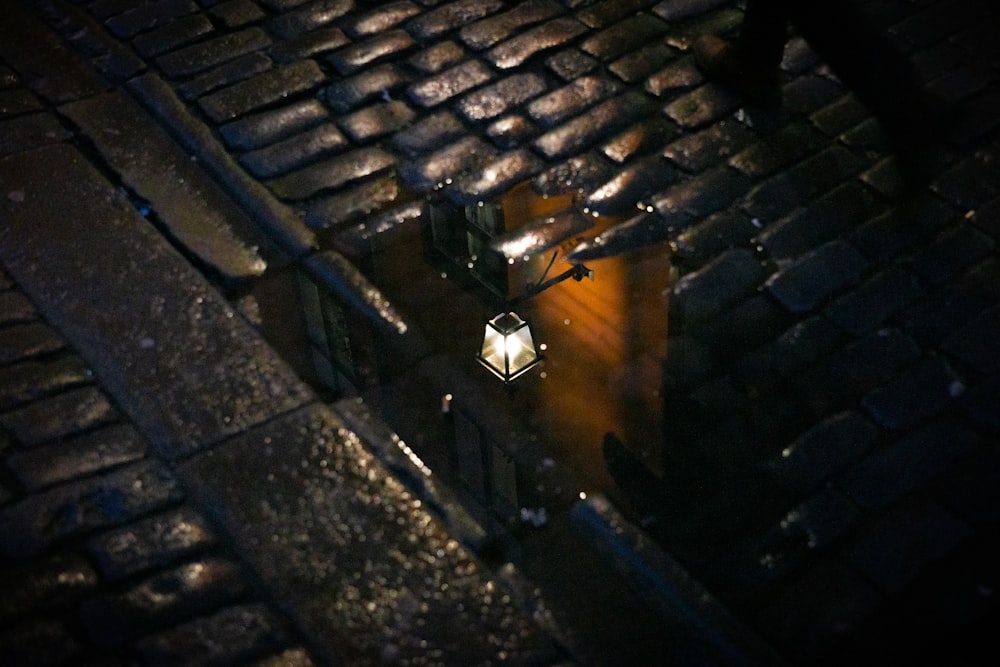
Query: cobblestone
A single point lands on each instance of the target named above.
(709, 192)
(487, 32)
(892, 471)
(571, 99)
(581, 172)
(631, 187)
(429, 133)
(28, 380)
(974, 343)
(358, 55)
(199, 57)
(149, 15)
(678, 76)
(640, 139)
(809, 281)
(173, 35)
(824, 450)
(379, 19)
(45, 584)
(445, 165)
(583, 131)
(517, 50)
(80, 455)
(571, 63)
(164, 598)
(850, 336)
(704, 293)
(361, 199)
(150, 543)
(237, 13)
(451, 16)
(831, 216)
(497, 176)
(605, 12)
(234, 71)
(449, 83)
(294, 152)
(27, 340)
(636, 66)
(838, 381)
(696, 151)
(701, 106)
(268, 127)
(952, 253)
(331, 173)
(501, 97)
(904, 541)
(628, 35)
(234, 634)
(308, 17)
(438, 57)
(773, 152)
(876, 301)
(271, 86)
(59, 415)
(377, 120)
(316, 43)
(33, 524)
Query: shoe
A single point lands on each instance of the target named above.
(722, 62)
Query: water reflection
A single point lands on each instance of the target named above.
(605, 339)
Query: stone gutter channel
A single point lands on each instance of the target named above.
(372, 560)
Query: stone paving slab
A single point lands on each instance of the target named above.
(337, 538)
(853, 306)
(118, 307)
(186, 200)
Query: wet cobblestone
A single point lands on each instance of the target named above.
(517, 50)
(270, 86)
(832, 306)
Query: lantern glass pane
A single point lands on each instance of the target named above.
(520, 349)
(508, 349)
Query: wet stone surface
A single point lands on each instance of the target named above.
(516, 50)
(581, 132)
(288, 154)
(441, 87)
(266, 127)
(377, 121)
(445, 165)
(199, 57)
(451, 16)
(309, 45)
(429, 133)
(380, 81)
(421, 592)
(331, 173)
(571, 99)
(498, 98)
(382, 18)
(80, 455)
(489, 31)
(270, 86)
(388, 44)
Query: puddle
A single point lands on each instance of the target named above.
(449, 269)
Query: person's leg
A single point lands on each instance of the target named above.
(748, 65)
(764, 32)
(864, 59)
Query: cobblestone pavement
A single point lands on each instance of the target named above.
(831, 365)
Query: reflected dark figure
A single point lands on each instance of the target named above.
(860, 55)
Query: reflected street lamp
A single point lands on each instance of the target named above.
(508, 349)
